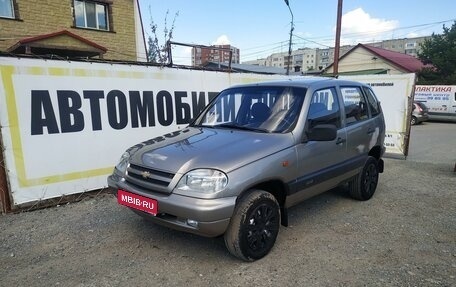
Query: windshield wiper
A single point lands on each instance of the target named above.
(201, 126)
(231, 126)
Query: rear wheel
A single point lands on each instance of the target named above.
(254, 226)
(363, 185)
(413, 121)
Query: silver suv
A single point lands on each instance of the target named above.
(252, 153)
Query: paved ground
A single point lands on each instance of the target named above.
(404, 236)
(433, 142)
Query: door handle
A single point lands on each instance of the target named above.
(340, 141)
(370, 131)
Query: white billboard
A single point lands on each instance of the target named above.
(395, 93)
(65, 124)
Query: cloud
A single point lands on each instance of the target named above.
(222, 40)
(412, 35)
(357, 25)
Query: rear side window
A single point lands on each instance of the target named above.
(372, 101)
(324, 108)
(355, 105)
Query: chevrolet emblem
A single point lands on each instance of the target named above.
(145, 174)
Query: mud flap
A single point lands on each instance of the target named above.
(284, 216)
(381, 165)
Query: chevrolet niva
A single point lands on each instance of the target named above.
(252, 153)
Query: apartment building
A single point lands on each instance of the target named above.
(306, 59)
(325, 57)
(73, 28)
(302, 60)
(202, 55)
(409, 46)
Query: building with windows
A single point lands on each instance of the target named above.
(365, 59)
(73, 29)
(307, 59)
(409, 46)
(201, 55)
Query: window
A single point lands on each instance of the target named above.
(91, 15)
(324, 108)
(355, 105)
(6, 8)
(374, 107)
(264, 109)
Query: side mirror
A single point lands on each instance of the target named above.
(323, 132)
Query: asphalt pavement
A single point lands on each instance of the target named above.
(433, 142)
(404, 236)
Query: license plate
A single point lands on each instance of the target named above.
(138, 202)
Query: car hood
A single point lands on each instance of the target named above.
(222, 149)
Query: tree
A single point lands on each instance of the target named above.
(440, 52)
(158, 53)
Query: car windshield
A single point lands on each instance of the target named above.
(261, 108)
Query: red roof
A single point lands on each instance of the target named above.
(404, 61)
(59, 33)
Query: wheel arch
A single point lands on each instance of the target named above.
(277, 188)
(376, 152)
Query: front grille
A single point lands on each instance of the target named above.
(148, 178)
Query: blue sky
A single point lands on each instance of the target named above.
(261, 27)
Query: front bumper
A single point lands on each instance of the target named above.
(174, 210)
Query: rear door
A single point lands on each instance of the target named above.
(361, 128)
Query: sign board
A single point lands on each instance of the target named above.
(65, 124)
(440, 100)
(395, 93)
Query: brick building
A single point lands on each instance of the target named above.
(73, 28)
(215, 54)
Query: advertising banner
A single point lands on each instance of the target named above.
(64, 125)
(439, 99)
(395, 93)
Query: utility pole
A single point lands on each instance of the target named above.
(337, 44)
(291, 34)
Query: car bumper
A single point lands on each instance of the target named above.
(422, 118)
(205, 217)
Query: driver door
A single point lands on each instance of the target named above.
(319, 162)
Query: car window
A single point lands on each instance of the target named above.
(262, 108)
(372, 101)
(355, 105)
(324, 108)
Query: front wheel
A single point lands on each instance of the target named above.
(254, 226)
(363, 185)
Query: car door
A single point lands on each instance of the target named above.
(361, 128)
(318, 161)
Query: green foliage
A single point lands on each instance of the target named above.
(156, 52)
(440, 52)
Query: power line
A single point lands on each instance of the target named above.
(331, 38)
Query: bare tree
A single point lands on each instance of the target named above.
(158, 51)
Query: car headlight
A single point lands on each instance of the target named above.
(203, 180)
(123, 162)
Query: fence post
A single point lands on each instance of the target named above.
(5, 204)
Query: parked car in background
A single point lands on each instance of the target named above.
(419, 113)
(440, 101)
(252, 153)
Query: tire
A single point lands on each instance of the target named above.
(363, 185)
(413, 121)
(254, 226)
